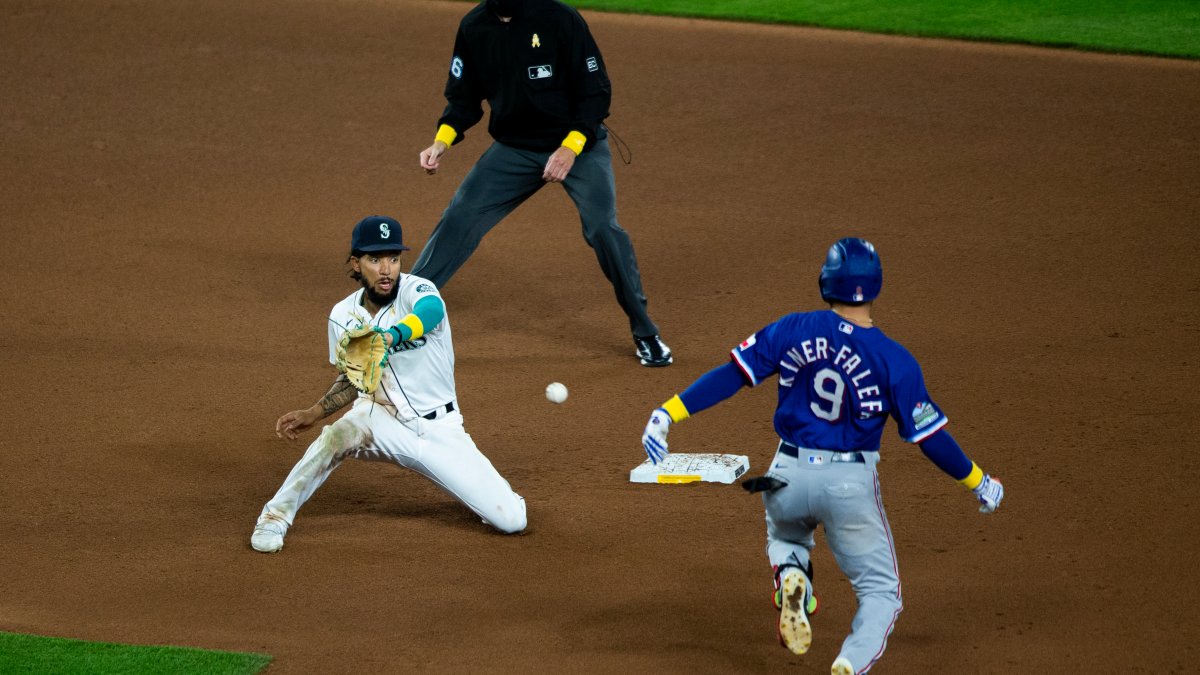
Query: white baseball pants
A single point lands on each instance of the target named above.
(440, 449)
(845, 497)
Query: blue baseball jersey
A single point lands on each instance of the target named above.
(838, 382)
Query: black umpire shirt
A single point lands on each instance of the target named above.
(541, 73)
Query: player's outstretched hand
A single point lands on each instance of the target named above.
(989, 492)
(292, 424)
(654, 438)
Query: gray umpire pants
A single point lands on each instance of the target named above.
(502, 179)
(846, 498)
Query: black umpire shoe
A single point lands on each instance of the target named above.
(653, 352)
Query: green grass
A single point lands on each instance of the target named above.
(1162, 27)
(33, 654)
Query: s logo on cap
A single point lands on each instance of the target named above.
(375, 233)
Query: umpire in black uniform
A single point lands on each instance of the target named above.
(542, 74)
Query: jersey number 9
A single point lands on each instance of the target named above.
(834, 397)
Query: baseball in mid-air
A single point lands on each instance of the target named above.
(556, 392)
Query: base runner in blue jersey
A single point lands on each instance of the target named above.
(839, 380)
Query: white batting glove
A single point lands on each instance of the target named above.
(654, 438)
(989, 493)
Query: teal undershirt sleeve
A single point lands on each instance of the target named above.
(430, 310)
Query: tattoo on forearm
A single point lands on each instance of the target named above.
(341, 393)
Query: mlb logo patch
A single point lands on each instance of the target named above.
(845, 328)
(816, 459)
(540, 72)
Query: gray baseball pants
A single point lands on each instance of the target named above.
(502, 179)
(846, 498)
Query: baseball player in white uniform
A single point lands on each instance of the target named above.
(412, 419)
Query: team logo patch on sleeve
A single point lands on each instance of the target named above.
(924, 414)
(592, 66)
(424, 288)
(747, 344)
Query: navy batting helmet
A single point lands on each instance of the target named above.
(852, 272)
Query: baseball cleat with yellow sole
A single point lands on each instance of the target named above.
(795, 631)
(841, 667)
(813, 602)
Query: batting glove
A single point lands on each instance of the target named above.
(654, 438)
(989, 492)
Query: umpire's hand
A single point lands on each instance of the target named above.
(431, 157)
(559, 165)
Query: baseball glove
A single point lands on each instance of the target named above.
(362, 355)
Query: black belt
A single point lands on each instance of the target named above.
(792, 450)
(449, 408)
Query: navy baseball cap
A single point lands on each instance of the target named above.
(377, 233)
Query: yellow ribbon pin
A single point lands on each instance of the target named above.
(536, 41)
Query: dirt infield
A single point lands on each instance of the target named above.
(179, 184)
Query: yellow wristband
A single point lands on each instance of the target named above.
(414, 324)
(676, 409)
(446, 134)
(974, 478)
(575, 141)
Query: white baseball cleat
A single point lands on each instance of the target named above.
(841, 667)
(268, 534)
(795, 631)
